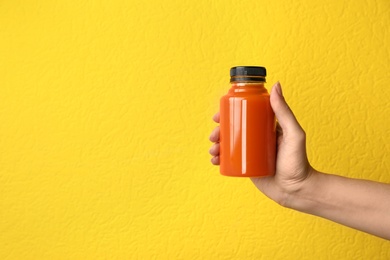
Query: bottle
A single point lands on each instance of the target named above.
(247, 126)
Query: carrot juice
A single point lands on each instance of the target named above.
(247, 126)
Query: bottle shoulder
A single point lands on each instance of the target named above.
(247, 95)
(242, 89)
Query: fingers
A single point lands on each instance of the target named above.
(214, 150)
(216, 117)
(215, 160)
(282, 111)
(214, 137)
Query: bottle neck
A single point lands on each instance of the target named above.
(247, 87)
(247, 78)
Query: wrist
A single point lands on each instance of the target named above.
(304, 198)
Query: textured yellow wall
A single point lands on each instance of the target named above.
(105, 112)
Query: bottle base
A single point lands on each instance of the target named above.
(246, 175)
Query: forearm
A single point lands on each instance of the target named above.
(360, 204)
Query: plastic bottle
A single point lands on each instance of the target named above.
(247, 124)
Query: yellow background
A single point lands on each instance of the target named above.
(105, 113)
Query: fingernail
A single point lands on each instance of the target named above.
(279, 88)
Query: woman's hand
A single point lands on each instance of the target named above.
(360, 204)
(292, 166)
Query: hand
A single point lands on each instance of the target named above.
(360, 204)
(292, 167)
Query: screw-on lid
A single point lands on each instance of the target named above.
(248, 73)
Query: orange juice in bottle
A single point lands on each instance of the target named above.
(247, 124)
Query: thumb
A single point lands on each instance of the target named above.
(283, 113)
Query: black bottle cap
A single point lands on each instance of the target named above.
(248, 73)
